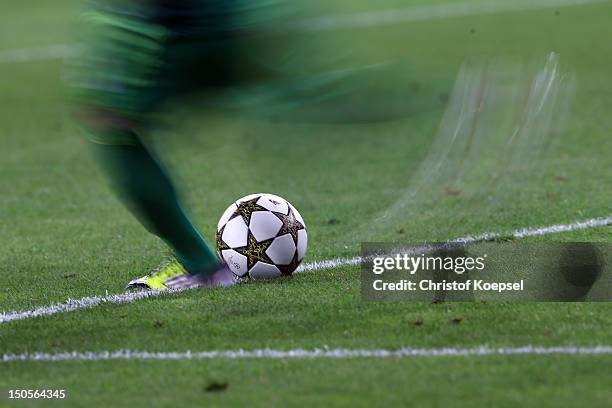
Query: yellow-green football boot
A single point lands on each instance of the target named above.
(172, 275)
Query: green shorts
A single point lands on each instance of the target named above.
(136, 54)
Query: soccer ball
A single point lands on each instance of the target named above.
(261, 236)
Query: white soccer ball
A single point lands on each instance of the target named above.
(261, 236)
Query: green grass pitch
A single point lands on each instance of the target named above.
(63, 234)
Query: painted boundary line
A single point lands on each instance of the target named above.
(305, 354)
(94, 301)
(427, 13)
(50, 52)
(356, 20)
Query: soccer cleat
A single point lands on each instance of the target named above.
(172, 275)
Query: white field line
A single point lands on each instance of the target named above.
(428, 12)
(356, 20)
(326, 353)
(50, 52)
(129, 297)
(536, 232)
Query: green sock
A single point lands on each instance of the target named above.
(150, 195)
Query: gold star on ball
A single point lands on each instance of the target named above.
(291, 225)
(247, 208)
(255, 251)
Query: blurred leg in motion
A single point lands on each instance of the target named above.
(132, 60)
(148, 191)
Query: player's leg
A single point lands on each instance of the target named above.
(118, 82)
(145, 187)
(147, 190)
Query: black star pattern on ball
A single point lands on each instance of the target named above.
(255, 251)
(289, 269)
(247, 208)
(291, 225)
(221, 245)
